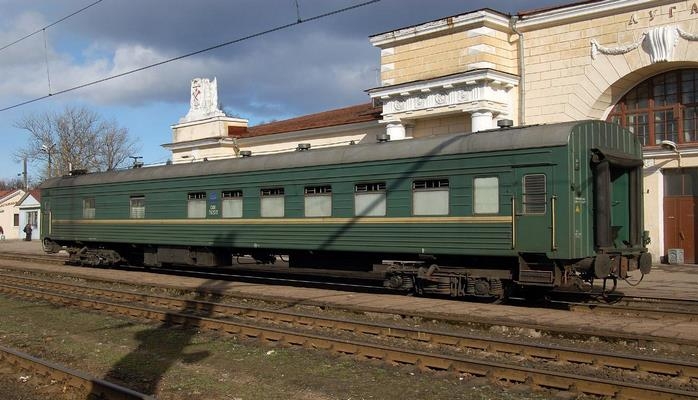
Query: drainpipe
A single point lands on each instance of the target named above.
(522, 71)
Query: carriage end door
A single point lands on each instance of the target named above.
(535, 206)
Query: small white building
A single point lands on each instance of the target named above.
(29, 207)
(10, 214)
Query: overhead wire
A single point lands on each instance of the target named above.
(193, 53)
(50, 25)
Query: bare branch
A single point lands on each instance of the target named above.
(76, 138)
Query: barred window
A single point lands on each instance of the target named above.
(231, 203)
(534, 194)
(430, 197)
(272, 202)
(196, 205)
(486, 195)
(88, 208)
(318, 201)
(370, 199)
(137, 207)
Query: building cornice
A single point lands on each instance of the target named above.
(571, 13)
(240, 121)
(467, 21)
(198, 143)
(446, 82)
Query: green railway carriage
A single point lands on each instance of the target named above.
(548, 206)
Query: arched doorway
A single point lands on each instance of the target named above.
(665, 107)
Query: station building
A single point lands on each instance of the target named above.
(634, 62)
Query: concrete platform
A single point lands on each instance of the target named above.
(664, 280)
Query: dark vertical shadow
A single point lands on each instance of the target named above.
(163, 346)
(405, 176)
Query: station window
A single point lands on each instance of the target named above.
(318, 201)
(370, 199)
(534, 194)
(231, 203)
(486, 195)
(33, 218)
(88, 208)
(271, 202)
(196, 205)
(137, 206)
(430, 197)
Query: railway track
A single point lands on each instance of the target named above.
(645, 307)
(68, 380)
(445, 348)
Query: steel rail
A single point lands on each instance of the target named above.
(76, 380)
(467, 319)
(453, 339)
(495, 371)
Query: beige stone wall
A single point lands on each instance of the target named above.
(447, 54)
(564, 82)
(455, 123)
(215, 127)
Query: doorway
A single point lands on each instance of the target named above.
(680, 204)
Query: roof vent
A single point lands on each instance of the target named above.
(245, 153)
(78, 172)
(303, 147)
(505, 123)
(382, 137)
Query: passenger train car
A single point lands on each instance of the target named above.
(544, 206)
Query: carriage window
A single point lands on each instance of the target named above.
(534, 194)
(137, 206)
(318, 201)
(430, 197)
(272, 202)
(232, 203)
(486, 195)
(196, 205)
(370, 199)
(88, 208)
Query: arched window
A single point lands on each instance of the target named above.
(664, 107)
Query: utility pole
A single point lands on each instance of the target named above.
(26, 177)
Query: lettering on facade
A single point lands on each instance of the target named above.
(655, 12)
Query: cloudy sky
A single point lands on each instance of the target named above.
(311, 67)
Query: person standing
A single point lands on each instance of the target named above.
(28, 232)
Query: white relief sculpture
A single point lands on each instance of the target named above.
(659, 43)
(596, 48)
(687, 35)
(204, 100)
(440, 98)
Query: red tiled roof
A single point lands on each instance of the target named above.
(36, 193)
(342, 116)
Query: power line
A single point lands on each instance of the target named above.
(50, 25)
(228, 43)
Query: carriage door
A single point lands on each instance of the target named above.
(45, 222)
(534, 210)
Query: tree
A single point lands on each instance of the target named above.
(76, 138)
(11, 184)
